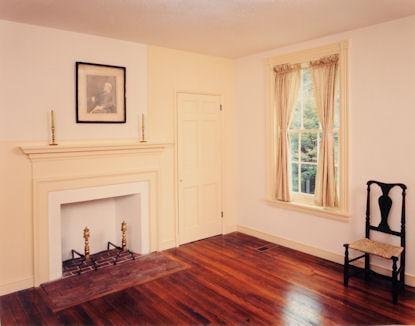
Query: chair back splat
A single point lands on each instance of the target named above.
(385, 205)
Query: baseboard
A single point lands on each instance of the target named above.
(229, 228)
(16, 286)
(167, 245)
(321, 253)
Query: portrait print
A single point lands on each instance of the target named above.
(100, 93)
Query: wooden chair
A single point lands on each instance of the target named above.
(371, 247)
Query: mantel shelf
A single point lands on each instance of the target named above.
(36, 150)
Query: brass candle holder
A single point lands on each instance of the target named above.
(124, 236)
(86, 243)
(52, 129)
(143, 136)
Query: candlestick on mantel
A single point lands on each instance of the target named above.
(143, 137)
(52, 129)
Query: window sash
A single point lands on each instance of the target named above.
(299, 195)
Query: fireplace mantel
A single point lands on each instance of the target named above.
(80, 165)
(37, 151)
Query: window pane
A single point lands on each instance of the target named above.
(310, 118)
(308, 178)
(294, 177)
(309, 147)
(296, 119)
(294, 147)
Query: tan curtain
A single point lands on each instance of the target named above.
(324, 72)
(287, 79)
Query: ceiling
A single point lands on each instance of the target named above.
(229, 28)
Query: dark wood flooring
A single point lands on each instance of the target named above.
(230, 281)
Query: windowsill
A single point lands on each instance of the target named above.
(333, 214)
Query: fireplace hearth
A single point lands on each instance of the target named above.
(103, 259)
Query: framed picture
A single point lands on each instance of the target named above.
(100, 93)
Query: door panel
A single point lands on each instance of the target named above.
(199, 166)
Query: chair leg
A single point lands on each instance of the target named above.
(394, 280)
(346, 266)
(367, 267)
(402, 276)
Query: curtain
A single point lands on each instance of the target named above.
(287, 78)
(324, 72)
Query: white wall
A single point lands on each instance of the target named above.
(382, 115)
(37, 68)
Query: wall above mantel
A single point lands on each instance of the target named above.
(40, 76)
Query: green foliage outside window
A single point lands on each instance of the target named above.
(305, 136)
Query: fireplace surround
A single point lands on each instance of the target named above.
(79, 166)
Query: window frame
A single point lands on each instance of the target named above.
(302, 202)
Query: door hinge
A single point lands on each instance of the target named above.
(220, 107)
(221, 214)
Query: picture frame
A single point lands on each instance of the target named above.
(100, 93)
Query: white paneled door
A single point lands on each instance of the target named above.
(199, 166)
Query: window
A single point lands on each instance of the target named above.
(305, 135)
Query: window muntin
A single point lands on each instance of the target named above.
(305, 137)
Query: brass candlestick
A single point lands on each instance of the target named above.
(52, 129)
(86, 245)
(143, 137)
(124, 236)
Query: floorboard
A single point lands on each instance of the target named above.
(231, 280)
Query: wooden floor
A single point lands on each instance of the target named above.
(230, 281)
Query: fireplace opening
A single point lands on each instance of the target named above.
(104, 211)
(93, 231)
